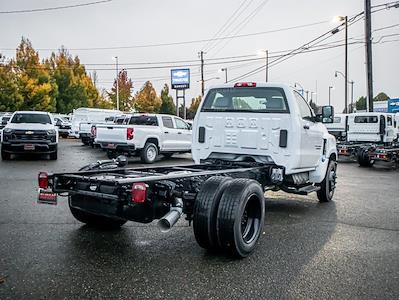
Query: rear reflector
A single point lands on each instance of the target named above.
(139, 192)
(130, 133)
(245, 84)
(94, 131)
(43, 180)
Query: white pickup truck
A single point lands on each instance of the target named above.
(248, 139)
(146, 135)
(30, 132)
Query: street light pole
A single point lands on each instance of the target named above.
(329, 95)
(351, 82)
(225, 73)
(267, 65)
(346, 65)
(117, 82)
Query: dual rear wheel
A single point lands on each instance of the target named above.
(229, 215)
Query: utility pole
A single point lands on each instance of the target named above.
(369, 56)
(346, 65)
(202, 73)
(225, 73)
(117, 82)
(267, 65)
(351, 82)
(329, 95)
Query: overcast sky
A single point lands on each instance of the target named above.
(122, 23)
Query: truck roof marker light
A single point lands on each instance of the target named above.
(43, 180)
(245, 84)
(130, 133)
(139, 192)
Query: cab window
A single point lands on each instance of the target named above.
(167, 122)
(304, 108)
(389, 121)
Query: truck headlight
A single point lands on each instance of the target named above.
(7, 130)
(51, 132)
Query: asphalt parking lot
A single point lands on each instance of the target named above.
(348, 248)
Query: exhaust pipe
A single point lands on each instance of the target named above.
(171, 218)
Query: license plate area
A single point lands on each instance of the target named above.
(46, 197)
(111, 146)
(29, 147)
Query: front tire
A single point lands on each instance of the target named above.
(206, 209)
(240, 217)
(96, 221)
(149, 153)
(327, 186)
(5, 155)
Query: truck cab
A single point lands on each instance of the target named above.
(266, 123)
(372, 127)
(339, 127)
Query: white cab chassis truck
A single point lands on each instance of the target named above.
(371, 137)
(248, 138)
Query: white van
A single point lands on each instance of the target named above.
(89, 115)
(338, 128)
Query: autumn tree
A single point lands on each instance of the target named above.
(36, 86)
(125, 85)
(146, 100)
(167, 105)
(192, 110)
(10, 98)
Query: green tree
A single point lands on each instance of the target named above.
(126, 100)
(36, 86)
(146, 100)
(75, 86)
(167, 105)
(10, 98)
(381, 97)
(361, 103)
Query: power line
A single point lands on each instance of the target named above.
(181, 42)
(53, 8)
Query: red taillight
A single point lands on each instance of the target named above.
(139, 192)
(130, 133)
(94, 131)
(382, 156)
(43, 180)
(245, 84)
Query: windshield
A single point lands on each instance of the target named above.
(263, 100)
(31, 118)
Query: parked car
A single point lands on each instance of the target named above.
(63, 125)
(30, 132)
(147, 135)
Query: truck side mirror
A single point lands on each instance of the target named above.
(327, 114)
(58, 123)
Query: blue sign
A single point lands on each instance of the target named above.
(393, 105)
(180, 79)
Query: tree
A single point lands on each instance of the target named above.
(361, 103)
(167, 105)
(36, 86)
(192, 110)
(75, 86)
(10, 98)
(381, 97)
(146, 99)
(125, 85)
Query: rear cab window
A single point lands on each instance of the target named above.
(144, 120)
(167, 122)
(259, 99)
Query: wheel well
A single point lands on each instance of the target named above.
(333, 157)
(153, 140)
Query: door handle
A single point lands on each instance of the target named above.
(179, 132)
(166, 132)
(306, 126)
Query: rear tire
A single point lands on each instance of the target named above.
(327, 186)
(111, 154)
(206, 209)
(240, 217)
(5, 155)
(363, 158)
(149, 153)
(96, 221)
